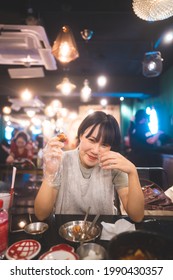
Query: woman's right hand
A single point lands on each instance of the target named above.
(52, 154)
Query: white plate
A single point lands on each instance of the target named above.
(60, 252)
(23, 250)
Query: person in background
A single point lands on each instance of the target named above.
(143, 143)
(94, 174)
(21, 148)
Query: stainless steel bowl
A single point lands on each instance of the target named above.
(36, 228)
(91, 251)
(75, 231)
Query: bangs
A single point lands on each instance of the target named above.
(107, 135)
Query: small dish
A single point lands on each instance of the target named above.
(23, 250)
(36, 228)
(73, 231)
(60, 252)
(91, 251)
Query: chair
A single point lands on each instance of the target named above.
(155, 174)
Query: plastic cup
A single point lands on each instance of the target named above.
(6, 198)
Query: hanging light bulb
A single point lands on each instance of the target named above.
(64, 48)
(85, 92)
(66, 86)
(86, 34)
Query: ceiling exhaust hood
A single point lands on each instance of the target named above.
(25, 45)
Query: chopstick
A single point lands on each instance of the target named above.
(12, 185)
(90, 227)
(93, 223)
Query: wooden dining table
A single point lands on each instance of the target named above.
(162, 225)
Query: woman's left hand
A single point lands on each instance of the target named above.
(113, 160)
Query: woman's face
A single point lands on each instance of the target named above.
(20, 142)
(89, 149)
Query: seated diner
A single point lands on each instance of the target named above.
(94, 174)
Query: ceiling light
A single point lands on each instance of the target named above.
(168, 38)
(102, 80)
(49, 112)
(87, 34)
(66, 86)
(56, 104)
(6, 110)
(26, 95)
(103, 102)
(85, 92)
(64, 48)
(152, 10)
(31, 112)
(152, 64)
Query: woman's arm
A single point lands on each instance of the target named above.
(45, 200)
(132, 196)
(153, 139)
(47, 194)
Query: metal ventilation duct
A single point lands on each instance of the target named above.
(25, 45)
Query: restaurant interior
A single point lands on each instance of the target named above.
(121, 61)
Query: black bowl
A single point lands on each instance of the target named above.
(140, 245)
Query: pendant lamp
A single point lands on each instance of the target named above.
(64, 48)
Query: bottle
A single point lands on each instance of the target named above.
(3, 230)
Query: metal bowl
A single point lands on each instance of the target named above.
(75, 231)
(91, 251)
(36, 228)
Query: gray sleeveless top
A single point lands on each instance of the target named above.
(80, 188)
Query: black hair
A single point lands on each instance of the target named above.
(109, 131)
(21, 134)
(140, 114)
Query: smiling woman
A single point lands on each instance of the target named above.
(21, 148)
(76, 179)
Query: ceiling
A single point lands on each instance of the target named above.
(116, 48)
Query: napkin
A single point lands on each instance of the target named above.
(110, 230)
(169, 193)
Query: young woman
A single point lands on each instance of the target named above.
(94, 174)
(21, 148)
